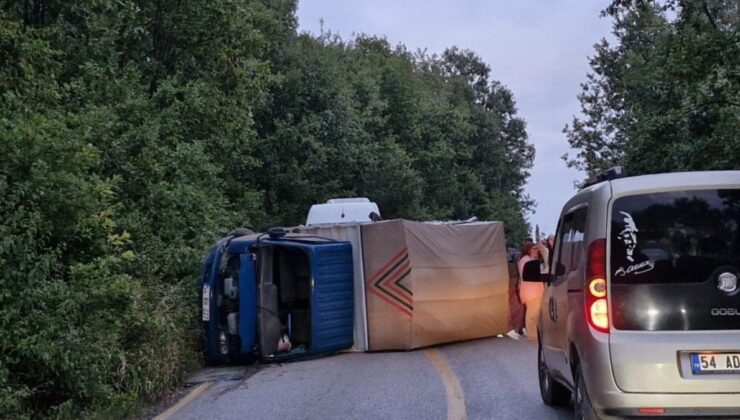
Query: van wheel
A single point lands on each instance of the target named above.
(552, 391)
(582, 408)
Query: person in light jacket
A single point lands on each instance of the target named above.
(530, 292)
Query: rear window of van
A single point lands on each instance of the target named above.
(675, 237)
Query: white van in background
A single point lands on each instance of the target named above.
(342, 210)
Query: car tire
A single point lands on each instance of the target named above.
(553, 392)
(582, 408)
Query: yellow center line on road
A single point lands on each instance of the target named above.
(184, 401)
(455, 396)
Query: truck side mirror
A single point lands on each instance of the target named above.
(531, 271)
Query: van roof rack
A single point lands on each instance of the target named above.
(614, 172)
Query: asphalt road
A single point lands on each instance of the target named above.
(493, 378)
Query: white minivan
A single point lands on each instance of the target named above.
(641, 311)
(342, 210)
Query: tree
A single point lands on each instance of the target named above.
(425, 137)
(666, 97)
(126, 137)
(492, 155)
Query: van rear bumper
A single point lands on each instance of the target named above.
(609, 401)
(622, 404)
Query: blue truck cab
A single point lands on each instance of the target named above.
(276, 296)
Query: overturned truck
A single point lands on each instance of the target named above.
(368, 286)
(256, 289)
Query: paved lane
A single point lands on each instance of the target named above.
(496, 377)
(499, 378)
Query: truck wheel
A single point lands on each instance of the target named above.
(582, 408)
(552, 391)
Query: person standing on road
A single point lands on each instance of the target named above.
(516, 308)
(530, 292)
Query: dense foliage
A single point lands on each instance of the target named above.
(134, 133)
(666, 96)
(425, 137)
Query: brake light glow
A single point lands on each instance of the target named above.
(596, 304)
(651, 410)
(597, 287)
(599, 315)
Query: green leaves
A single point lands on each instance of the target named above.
(425, 137)
(125, 135)
(665, 97)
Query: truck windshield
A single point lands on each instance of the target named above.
(675, 237)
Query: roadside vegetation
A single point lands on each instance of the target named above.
(135, 133)
(664, 96)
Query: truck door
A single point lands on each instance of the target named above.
(305, 293)
(332, 296)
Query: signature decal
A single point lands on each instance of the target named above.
(640, 268)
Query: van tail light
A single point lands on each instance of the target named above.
(596, 304)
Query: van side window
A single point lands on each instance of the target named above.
(570, 240)
(579, 226)
(555, 245)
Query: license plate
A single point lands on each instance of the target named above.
(715, 363)
(206, 303)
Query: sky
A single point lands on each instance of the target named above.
(538, 49)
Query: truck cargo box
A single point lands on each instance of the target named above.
(419, 284)
(432, 283)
